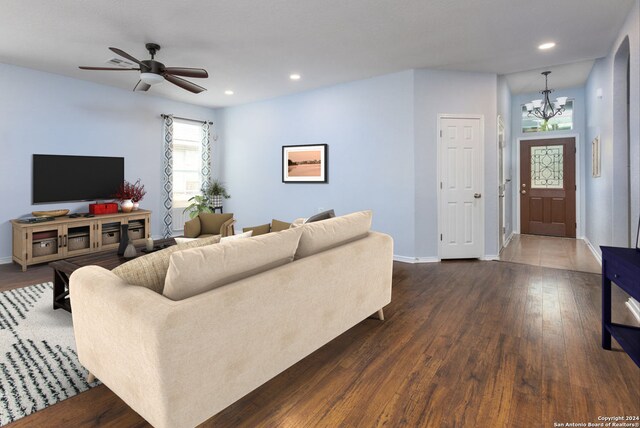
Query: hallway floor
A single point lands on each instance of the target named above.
(549, 251)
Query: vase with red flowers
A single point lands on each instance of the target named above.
(130, 195)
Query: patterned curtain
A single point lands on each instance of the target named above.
(206, 153)
(167, 185)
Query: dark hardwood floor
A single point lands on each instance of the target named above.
(465, 343)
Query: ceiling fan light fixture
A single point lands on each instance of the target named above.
(151, 78)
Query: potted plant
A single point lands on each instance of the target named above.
(212, 194)
(215, 191)
(138, 191)
(130, 195)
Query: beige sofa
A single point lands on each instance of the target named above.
(177, 363)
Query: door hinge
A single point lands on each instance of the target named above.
(441, 236)
(26, 235)
(441, 184)
(575, 187)
(441, 133)
(575, 150)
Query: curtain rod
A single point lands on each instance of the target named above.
(184, 118)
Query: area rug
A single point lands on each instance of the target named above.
(38, 361)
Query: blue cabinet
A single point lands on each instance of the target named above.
(621, 266)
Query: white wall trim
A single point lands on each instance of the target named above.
(506, 242)
(579, 184)
(490, 257)
(480, 118)
(595, 252)
(5, 260)
(413, 260)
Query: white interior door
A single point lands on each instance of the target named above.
(461, 182)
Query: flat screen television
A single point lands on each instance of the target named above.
(59, 178)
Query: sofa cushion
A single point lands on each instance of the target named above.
(198, 270)
(279, 226)
(325, 234)
(212, 222)
(258, 230)
(150, 270)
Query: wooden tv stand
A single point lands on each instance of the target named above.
(64, 237)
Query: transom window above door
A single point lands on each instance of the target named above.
(560, 122)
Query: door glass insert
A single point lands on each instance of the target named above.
(547, 167)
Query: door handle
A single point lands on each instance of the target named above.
(477, 195)
(523, 192)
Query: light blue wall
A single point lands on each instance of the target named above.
(504, 110)
(382, 152)
(47, 113)
(368, 126)
(450, 92)
(579, 108)
(601, 213)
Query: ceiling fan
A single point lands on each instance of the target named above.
(153, 72)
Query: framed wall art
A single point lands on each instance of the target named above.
(305, 164)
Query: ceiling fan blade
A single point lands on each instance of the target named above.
(82, 67)
(187, 72)
(184, 84)
(141, 86)
(129, 57)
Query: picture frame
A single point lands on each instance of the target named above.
(595, 157)
(305, 163)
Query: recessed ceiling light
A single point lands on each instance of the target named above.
(228, 92)
(546, 46)
(294, 76)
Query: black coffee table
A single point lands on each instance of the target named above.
(62, 270)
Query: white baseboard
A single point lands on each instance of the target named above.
(6, 260)
(404, 259)
(634, 307)
(490, 257)
(506, 242)
(595, 252)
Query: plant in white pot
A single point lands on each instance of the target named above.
(215, 191)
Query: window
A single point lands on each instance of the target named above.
(187, 162)
(560, 122)
(547, 167)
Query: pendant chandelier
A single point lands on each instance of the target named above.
(544, 109)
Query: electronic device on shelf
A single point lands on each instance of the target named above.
(35, 219)
(75, 215)
(61, 178)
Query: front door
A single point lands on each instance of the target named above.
(548, 187)
(461, 184)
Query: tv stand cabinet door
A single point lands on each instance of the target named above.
(108, 233)
(134, 221)
(79, 238)
(45, 243)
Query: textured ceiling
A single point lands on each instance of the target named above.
(251, 47)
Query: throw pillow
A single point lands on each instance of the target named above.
(195, 271)
(258, 230)
(297, 222)
(326, 234)
(238, 236)
(279, 226)
(150, 271)
(324, 215)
